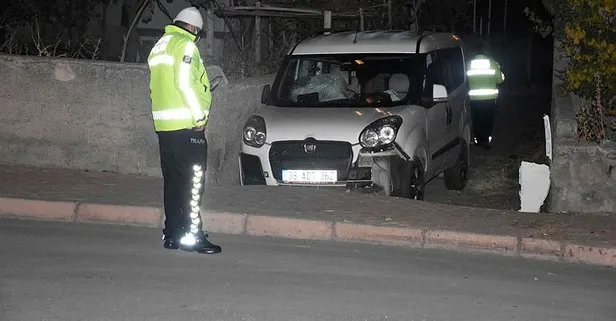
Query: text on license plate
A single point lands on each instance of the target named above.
(309, 176)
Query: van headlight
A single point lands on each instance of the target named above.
(381, 132)
(254, 133)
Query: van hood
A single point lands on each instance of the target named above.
(339, 124)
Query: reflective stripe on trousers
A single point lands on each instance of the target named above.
(190, 238)
(194, 202)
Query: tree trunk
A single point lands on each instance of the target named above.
(133, 41)
(103, 25)
(131, 46)
(529, 59)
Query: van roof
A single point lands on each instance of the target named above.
(378, 41)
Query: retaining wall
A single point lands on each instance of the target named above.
(583, 175)
(96, 115)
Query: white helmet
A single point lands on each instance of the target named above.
(192, 16)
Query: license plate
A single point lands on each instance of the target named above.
(309, 176)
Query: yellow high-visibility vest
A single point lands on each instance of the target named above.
(484, 74)
(179, 86)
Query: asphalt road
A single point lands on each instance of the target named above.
(55, 271)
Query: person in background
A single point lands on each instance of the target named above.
(484, 77)
(181, 100)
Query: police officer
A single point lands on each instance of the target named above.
(484, 76)
(181, 99)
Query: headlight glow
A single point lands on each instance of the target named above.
(387, 134)
(249, 133)
(260, 138)
(381, 132)
(370, 138)
(254, 131)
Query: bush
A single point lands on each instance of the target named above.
(586, 31)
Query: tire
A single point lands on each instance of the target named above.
(411, 183)
(456, 176)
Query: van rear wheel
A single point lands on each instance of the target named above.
(456, 176)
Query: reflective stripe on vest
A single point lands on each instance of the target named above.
(482, 80)
(161, 60)
(481, 67)
(480, 64)
(481, 72)
(173, 114)
(483, 92)
(184, 84)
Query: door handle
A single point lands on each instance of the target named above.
(449, 115)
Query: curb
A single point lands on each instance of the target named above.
(271, 226)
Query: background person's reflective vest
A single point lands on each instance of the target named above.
(484, 74)
(179, 86)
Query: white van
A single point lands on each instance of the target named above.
(389, 108)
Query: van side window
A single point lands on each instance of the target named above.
(446, 67)
(455, 66)
(435, 72)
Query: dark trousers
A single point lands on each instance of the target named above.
(183, 158)
(483, 112)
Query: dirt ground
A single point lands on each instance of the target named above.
(518, 136)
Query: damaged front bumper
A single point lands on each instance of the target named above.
(350, 165)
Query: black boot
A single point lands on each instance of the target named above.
(483, 142)
(204, 246)
(171, 243)
(199, 244)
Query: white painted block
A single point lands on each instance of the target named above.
(548, 136)
(535, 185)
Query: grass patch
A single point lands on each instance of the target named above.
(496, 173)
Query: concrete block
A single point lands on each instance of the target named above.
(506, 245)
(540, 248)
(590, 255)
(581, 179)
(46, 210)
(378, 234)
(119, 214)
(288, 227)
(228, 223)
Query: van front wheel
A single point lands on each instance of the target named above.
(411, 181)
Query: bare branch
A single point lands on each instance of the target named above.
(142, 7)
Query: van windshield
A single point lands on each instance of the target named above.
(349, 81)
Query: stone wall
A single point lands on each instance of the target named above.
(583, 175)
(96, 115)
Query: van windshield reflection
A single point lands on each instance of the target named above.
(350, 81)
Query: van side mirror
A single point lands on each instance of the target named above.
(265, 94)
(439, 93)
